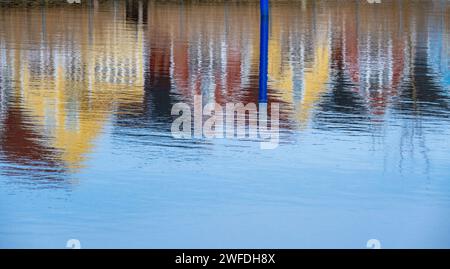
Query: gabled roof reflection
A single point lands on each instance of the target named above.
(66, 82)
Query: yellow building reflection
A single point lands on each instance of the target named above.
(70, 87)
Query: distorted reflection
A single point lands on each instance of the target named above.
(86, 93)
(60, 89)
(66, 72)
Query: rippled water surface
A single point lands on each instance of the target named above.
(86, 150)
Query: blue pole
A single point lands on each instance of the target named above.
(263, 51)
(264, 7)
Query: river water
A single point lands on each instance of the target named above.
(87, 153)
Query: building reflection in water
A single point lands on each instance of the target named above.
(62, 81)
(69, 72)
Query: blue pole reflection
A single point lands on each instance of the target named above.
(264, 51)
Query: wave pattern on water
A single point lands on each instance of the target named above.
(86, 93)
